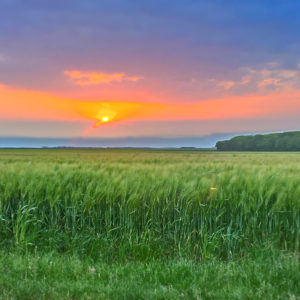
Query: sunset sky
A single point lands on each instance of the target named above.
(176, 69)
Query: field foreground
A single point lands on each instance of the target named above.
(149, 224)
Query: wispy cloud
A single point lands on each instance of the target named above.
(268, 81)
(94, 78)
(227, 84)
(134, 78)
(270, 78)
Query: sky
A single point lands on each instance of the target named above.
(168, 69)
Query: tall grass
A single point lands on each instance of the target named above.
(140, 205)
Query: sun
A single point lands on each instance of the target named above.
(100, 121)
(105, 119)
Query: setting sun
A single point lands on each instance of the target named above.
(105, 119)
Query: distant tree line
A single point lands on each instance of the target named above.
(287, 141)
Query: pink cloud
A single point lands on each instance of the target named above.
(268, 81)
(227, 84)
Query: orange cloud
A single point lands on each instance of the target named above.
(88, 78)
(92, 78)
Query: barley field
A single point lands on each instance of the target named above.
(149, 224)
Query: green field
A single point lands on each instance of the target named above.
(149, 224)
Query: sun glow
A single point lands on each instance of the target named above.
(36, 106)
(101, 120)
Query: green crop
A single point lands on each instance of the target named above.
(146, 204)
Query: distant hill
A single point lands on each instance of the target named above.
(287, 141)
